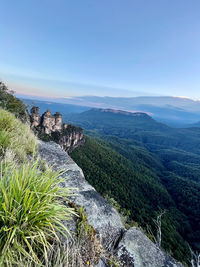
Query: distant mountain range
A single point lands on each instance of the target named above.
(138, 126)
(65, 109)
(174, 111)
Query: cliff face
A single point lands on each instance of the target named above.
(122, 112)
(132, 248)
(35, 117)
(49, 127)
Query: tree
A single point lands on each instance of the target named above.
(158, 224)
(195, 258)
(11, 103)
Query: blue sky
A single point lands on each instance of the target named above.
(101, 47)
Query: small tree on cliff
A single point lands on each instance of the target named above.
(195, 258)
(9, 102)
(158, 224)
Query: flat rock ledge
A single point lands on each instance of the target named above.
(132, 247)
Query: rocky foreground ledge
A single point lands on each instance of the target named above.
(131, 247)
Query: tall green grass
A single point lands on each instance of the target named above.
(15, 136)
(32, 209)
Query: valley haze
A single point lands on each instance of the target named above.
(174, 111)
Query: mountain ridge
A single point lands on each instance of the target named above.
(171, 110)
(122, 112)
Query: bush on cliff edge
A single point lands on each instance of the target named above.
(32, 209)
(32, 204)
(15, 136)
(11, 103)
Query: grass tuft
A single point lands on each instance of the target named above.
(15, 136)
(32, 208)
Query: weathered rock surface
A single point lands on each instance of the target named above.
(102, 263)
(136, 249)
(104, 218)
(70, 137)
(51, 123)
(35, 117)
(50, 127)
(131, 247)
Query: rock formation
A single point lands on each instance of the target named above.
(49, 127)
(35, 117)
(131, 247)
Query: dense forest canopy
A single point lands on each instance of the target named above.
(146, 166)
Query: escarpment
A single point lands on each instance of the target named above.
(131, 248)
(50, 127)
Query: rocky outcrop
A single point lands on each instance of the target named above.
(51, 123)
(136, 249)
(49, 127)
(132, 248)
(35, 117)
(70, 137)
(48, 122)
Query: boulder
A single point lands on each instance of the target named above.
(136, 249)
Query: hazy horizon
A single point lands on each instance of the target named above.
(48, 98)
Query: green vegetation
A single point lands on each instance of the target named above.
(137, 188)
(32, 203)
(113, 262)
(15, 137)
(140, 129)
(9, 102)
(84, 228)
(146, 167)
(85, 249)
(124, 214)
(139, 165)
(31, 213)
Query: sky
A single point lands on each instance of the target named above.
(64, 48)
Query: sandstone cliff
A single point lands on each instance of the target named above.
(132, 248)
(49, 127)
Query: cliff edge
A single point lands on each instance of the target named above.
(131, 247)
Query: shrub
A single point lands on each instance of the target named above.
(9, 102)
(31, 212)
(15, 136)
